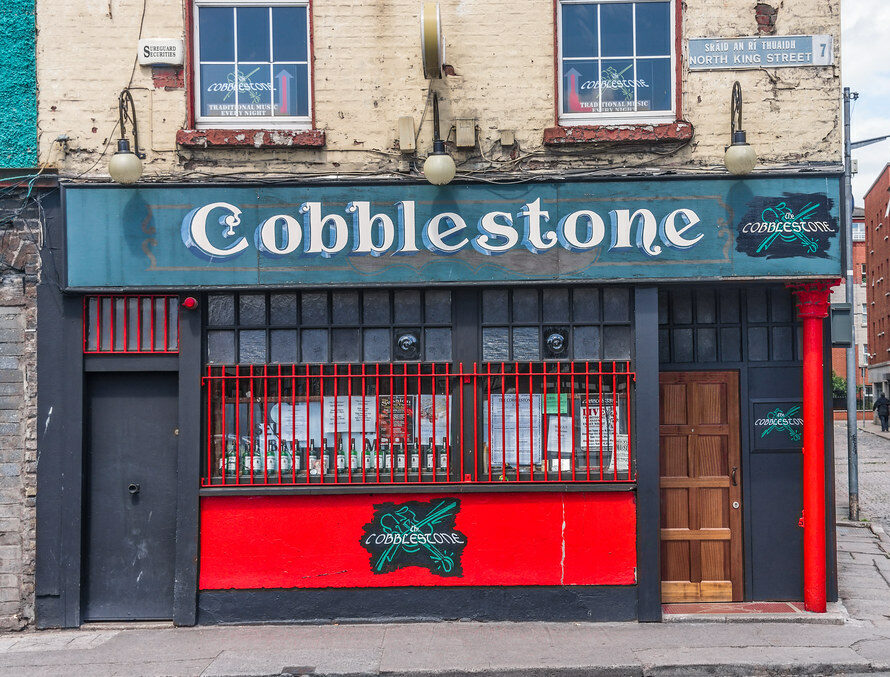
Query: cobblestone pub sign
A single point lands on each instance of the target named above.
(222, 236)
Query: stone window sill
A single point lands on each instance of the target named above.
(663, 133)
(251, 138)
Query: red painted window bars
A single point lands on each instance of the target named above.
(274, 425)
(130, 324)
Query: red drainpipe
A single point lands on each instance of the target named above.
(812, 307)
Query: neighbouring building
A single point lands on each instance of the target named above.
(877, 244)
(290, 370)
(859, 311)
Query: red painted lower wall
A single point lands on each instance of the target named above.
(510, 539)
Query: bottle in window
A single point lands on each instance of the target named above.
(443, 454)
(325, 457)
(297, 456)
(341, 453)
(286, 457)
(353, 455)
(231, 458)
(368, 458)
(430, 457)
(314, 459)
(399, 452)
(271, 456)
(415, 455)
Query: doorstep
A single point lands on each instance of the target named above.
(751, 612)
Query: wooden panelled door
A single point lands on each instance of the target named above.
(701, 496)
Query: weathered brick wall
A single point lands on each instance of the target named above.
(18, 408)
(368, 74)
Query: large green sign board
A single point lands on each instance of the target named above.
(684, 229)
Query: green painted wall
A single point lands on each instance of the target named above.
(18, 85)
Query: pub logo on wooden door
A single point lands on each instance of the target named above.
(415, 533)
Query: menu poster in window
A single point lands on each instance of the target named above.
(559, 441)
(599, 416)
(395, 416)
(515, 422)
(432, 418)
(349, 413)
(298, 421)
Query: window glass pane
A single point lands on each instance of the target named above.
(653, 28)
(314, 344)
(289, 34)
(580, 93)
(315, 308)
(218, 90)
(586, 305)
(616, 304)
(616, 343)
(654, 84)
(345, 345)
(344, 307)
(407, 306)
(617, 83)
(681, 342)
(253, 34)
(221, 347)
(494, 306)
(525, 306)
(284, 346)
(252, 346)
(556, 305)
(579, 31)
(438, 345)
(706, 344)
(587, 343)
(758, 344)
(438, 307)
(284, 309)
(376, 307)
(617, 28)
(705, 311)
(525, 343)
(254, 89)
(217, 29)
(252, 310)
(376, 345)
(290, 86)
(495, 344)
(220, 309)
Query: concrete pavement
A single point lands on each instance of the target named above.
(859, 645)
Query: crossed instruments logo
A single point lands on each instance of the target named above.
(793, 225)
(788, 422)
(415, 533)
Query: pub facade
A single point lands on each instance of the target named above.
(543, 389)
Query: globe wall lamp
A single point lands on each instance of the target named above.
(125, 165)
(439, 167)
(740, 158)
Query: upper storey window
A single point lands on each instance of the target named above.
(252, 64)
(616, 61)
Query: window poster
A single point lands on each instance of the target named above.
(432, 418)
(599, 416)
(395, 416)
(559, 441)
(515, 423)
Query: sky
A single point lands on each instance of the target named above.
(865, 68)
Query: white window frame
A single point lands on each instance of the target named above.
(638, 117)
(247, 122)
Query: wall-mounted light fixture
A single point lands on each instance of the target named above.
(125, 165)
(439, 167)
(740, 158)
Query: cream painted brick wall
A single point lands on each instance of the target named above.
(367, 74)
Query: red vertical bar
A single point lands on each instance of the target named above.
(111, 315)
(405, 431)
(139, 324)
(531, 425)
(460, 388)
(166, 321)
(223, 436)
(516, 390)
(488, 403)
(151, 301)
(323, 452)
(392, 450)
(447, 424)
(364, 414)
(265, 422)
(377, 419)
(627, 409)
(252, 469)
(349, 422)
(587, 410)
(178, 329)
(293, 424)
(600, 398)
(572, 418)
(335, 450)
(503, 424)
(416, 430)
(237, 424)
(559, 420)
(126, 322)
(544, 422)
(280, 418)
(308, 436)
(432, 450)
(209, 427)
(614, 425)
(476, 426)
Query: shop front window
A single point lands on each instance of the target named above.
(252, 64)
(616, 61)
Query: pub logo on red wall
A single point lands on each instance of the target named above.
(796, 224)
(415, 533)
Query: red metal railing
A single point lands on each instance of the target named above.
(418, 424)
(127, 324)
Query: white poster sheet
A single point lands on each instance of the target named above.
(509, 416)
(598, 419)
